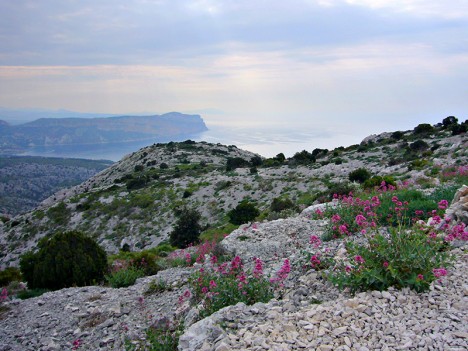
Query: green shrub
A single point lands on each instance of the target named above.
(66, 259)
(423, 128)
(405, 259)
(9, 275)
(30, 293)
(419, 145)
(124, 277)
(281, 203)
(449, 121)
(187, 229)
(228, 285)
(59, 214)
(243, 213)
(359, 175)
(397, 135)
(304, 157)
(376, 181)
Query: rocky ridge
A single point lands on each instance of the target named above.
(311, 314)
(196, 176)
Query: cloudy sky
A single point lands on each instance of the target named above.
(355, 65)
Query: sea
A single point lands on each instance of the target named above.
(267, 142)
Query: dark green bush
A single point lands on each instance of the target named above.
(187, 229)
(235, 162)
(163, 166)
(8, 275)
(64, 260)
(419, 145)
(303, 157)
(449, 121)
(376, 181)
(59, 214)
(136, 183)
(139, 168)
(423, 128)
(359, 175)
(397, 135)
(243, 213)
(281, 203)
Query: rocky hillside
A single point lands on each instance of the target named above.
(133, 201)
(26, 181)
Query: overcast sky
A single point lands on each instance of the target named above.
(356, 65)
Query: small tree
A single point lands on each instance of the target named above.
(187, 229)
(243, 213)
(66, 259)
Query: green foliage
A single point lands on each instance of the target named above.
(419, 145)
(59, 214)
(304, 157)
(423, 128)
(376, 181)
(157, 286)
(164, 337)
(187, 229)
(407, 258)
(397, 135)
(66, 259)
(449, 121)
(218, 233)
(235, 162)
(281, 203)
(243, 213)
(124, 277)
(145, 260)
(359, 175)
(30, 293)
(8, 275)
(218, 289)
(136, 183)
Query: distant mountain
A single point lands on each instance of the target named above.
(18, 116)
(78, 131)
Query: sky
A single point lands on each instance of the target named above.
(318, 66)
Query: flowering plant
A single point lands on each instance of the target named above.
(229, 283)
(404, 258)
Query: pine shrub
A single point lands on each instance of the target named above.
(64, 260)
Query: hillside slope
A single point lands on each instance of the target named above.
(133, 201)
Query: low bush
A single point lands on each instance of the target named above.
(359, 175)
(123, 274)
(8, 275)
(64, 260)
(407, 258)
(229, 283)
(243, 213)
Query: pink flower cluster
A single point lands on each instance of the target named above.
(439, 272)
(4, 295)
(282, 274)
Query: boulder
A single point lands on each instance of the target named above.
(458, 209)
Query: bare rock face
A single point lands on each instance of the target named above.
(458, 209)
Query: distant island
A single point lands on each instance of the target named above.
(17, 139)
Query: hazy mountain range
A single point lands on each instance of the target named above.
(16, 139)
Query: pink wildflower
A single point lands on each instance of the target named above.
(213, 260)
(315, 241)
(420, 277)
(439, 272)
(348, 269)
(4, 295)
(236, 263)
(443, 204)
(204, 290)
(336, 218)
(213, 284)
(343, 229)
(314, 261)
(76, 344)
(385, 264)
(258, 269)
(361, 220)
(359, 259)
